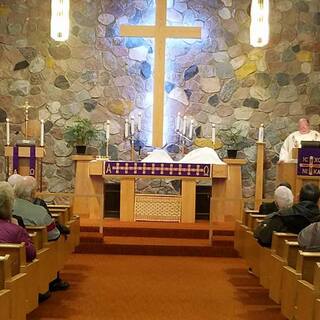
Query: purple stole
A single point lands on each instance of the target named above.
(32, 159)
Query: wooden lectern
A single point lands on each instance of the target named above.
(24, 161)
(288, 171)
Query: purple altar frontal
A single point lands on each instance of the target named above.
(308, 162)
(131, 168)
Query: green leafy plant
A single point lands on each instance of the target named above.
(80, 133)
(233, 138)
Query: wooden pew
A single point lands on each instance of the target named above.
(308, 290)
(277, 261)
(17, 283)
(241, 226)
(5, 294)
(290, 281)
(47, 256)
(251, 246)
(317, 309)
(56, 207)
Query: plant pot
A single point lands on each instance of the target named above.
(232, 153)
(81, 149)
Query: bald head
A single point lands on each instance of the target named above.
(304, 125)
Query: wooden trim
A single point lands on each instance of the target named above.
(84, 157)
(24, 152)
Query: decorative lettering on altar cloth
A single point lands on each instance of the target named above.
(308, 162)
(130, 168)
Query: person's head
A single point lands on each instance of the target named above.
(304, 125)
(26, 188)
(285, 184)
(283, 197)
(13, 179)
(6, 200)
(309, 192)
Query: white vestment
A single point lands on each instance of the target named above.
(294, 141)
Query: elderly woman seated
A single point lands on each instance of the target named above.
(10, 232)
(36, 215)
(32, 215)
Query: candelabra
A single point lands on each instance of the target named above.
(130, 131)
(184, 131)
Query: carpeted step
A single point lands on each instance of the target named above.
(95, 237)
(159, 246)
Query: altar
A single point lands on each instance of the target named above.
(226, 202)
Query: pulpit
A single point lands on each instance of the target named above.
(24, 160)
(304, 168)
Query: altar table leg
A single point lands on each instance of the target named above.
(127, 193)
(188, 195)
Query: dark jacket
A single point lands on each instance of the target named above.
(291, 220)
(268, 207)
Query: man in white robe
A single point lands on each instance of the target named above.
(295, 138)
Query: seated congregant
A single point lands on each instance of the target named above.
(309, 237)
(32, 215)
(283, 198)
(294, 139)
(36, 215)
(10, 232)
(293, 219)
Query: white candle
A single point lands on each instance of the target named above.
(139, 121)
(126, 128)
(191, 129)
(8, 131)
(261, 133)
(178, 122)
(184, 127)
(42, 133)
(213, 133)
(132, 125)
(108, 130)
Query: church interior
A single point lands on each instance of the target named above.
(159, 159)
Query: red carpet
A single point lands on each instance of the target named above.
(115, 287)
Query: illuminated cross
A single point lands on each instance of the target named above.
(160, 32)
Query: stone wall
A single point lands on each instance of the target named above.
(100, 75)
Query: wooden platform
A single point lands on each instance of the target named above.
(157, 238)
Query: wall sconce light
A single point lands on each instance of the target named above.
(60, 20)
(259, 28)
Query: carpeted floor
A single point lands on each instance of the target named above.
(107, 287)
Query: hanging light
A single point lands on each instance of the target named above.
(259, 28)
(60, 20)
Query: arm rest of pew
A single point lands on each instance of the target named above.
(17, 254)
(252, 220)
(291, 252)
(278, 242)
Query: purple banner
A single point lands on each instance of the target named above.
(308, 162)
(32, 160)
(15, 159)
(32, 164)
(120, 168)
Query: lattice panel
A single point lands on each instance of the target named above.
(157, 208)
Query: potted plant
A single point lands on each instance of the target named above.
(79, 134)
(234, 140)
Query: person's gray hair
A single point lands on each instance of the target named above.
(14, 178)
(6, 200)
(25, 187)
(283, 197)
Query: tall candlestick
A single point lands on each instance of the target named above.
(191, 129)
(8, 131)
(261, 133)
(126, 128)
(178, 122)
(184, 127)
(108, 130)
(42, 133)
(132, 125)
(213, 133)
(139, 121)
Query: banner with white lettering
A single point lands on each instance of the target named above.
(308, 162)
